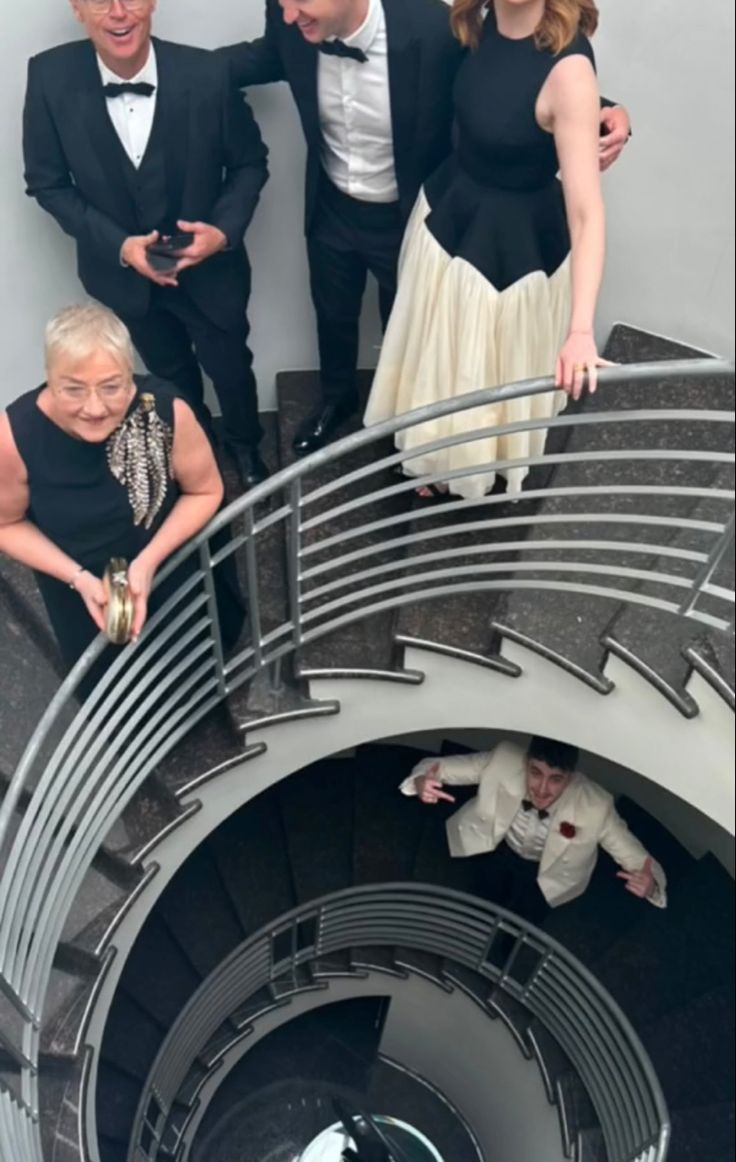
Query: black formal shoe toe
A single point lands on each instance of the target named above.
(317, 430)
(250, 466)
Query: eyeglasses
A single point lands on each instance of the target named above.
(107, 392)
(102, 6)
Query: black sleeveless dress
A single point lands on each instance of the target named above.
(484, 281)
(76, 501)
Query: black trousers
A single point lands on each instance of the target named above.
(348, 239)
(506, 879)
(176, 340)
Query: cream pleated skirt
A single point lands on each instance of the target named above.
(451, 332)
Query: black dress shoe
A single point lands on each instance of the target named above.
(316, 431)
(251, 468)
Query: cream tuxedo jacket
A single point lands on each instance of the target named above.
(567, 864)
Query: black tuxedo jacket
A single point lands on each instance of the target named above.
(215, 165)
(423, 58)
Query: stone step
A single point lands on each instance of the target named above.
(367, 642)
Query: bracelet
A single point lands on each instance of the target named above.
(79, 570)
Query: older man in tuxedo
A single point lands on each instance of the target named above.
(536, 824)
(128, 139)
(372, 80)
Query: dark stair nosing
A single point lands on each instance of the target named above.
(710, 675)
(425, 964)
(125, 907)
(497, 663)
(376, 959)
(249, 752)
(599, 683)
(552, 1061)
(323, 709)
(576, 1110)
(249, 1013)
(683, 702)
(404, 676)
(74, 961)
(515, 1017)
(142, 853)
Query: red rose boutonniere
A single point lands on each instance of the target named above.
(568, 830)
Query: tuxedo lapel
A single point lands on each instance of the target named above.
(508, 801)
(303, 73)
(170, 131)
(105, 147)
(403, 76)
(557, 844)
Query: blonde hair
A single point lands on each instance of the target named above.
(80, 330)
(560, 24)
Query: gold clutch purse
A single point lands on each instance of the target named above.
(120, 607)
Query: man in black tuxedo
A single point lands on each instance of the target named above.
(128, 140)
(372, 80)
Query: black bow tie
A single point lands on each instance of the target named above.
(142, 88)
(529, 806)
(339, 48)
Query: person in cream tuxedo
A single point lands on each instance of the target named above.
(536, 825)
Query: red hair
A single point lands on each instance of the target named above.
(560, 24)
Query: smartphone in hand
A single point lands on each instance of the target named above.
(163, 254)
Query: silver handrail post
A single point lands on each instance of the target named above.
(205, 564)
(717, 554)
(294, 564)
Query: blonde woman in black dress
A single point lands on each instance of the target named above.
(98, 463)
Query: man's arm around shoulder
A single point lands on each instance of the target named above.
(257, 62)
(245, 161)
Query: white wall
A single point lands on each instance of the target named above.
(671, 199)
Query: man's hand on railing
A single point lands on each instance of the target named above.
(429, 787)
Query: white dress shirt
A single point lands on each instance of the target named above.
(132, 114)
(355, 115)
(528, 834)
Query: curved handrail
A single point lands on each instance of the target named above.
(157, 689)
(532, 967)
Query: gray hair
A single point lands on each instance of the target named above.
(80, 330)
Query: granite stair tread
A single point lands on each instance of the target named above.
(572, 625)
(317, 807)
(366, 644)
(692, 1048)
(198, 891)
(703, 1134)
(660, 947)
(388, 825)
(251, 855)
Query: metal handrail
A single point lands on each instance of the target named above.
(555, 988)
(81, 777)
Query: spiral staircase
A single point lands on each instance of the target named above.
(200, 815)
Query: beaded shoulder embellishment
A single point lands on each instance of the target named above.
(139, 457)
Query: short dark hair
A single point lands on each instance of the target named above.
(556, 754)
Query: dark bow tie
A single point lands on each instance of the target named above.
(142, 88)
(339, 48)
(529, 806)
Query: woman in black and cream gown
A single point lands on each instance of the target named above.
(502, 261)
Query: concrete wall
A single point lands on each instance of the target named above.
(670, 200)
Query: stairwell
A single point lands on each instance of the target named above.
(339, 823)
